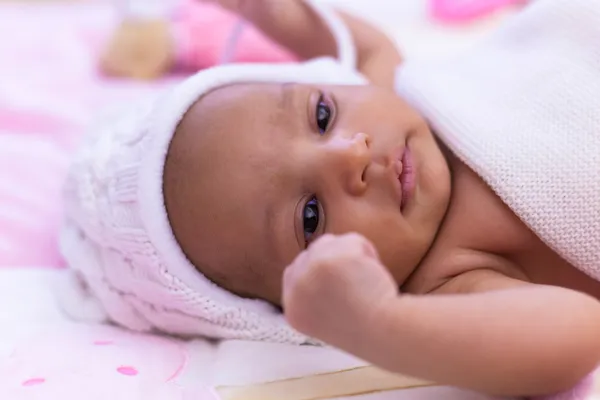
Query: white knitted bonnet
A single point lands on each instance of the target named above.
(125, 265)
(522, 109)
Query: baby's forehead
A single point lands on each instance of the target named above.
(238, 96)
(232, 135)
(230, 113)
(232, 127)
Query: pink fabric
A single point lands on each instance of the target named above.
(50, 91)
(465, 10)
(98, 363)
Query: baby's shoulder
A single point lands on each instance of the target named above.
(477, 229)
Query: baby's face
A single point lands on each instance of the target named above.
(256, 172)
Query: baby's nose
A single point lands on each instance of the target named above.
(354, 156)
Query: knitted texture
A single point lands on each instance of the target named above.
(522, 110)
(125, 264)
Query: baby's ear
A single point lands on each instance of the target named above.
(139, 49)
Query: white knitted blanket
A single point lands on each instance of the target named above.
(523, 111)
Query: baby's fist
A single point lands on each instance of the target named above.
(249, 8)
(335, 286)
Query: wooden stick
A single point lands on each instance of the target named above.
(352, 382)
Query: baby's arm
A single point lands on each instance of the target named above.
(295, 26)
(495, 334)
(481, 330)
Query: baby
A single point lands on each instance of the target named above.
(469, 258)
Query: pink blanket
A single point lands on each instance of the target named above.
(49, 91)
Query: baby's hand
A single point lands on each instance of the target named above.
(243, 7)
(335, 287)
(231, 5)
(290, 23)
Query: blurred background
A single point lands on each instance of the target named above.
(53, 83)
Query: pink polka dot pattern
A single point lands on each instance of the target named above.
(72, 361)
(33, 382)
(129, 371)
(103, 342)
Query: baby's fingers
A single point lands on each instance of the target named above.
(292, 273)
(237, 6)
(231, 5)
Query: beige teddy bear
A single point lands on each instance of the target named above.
(140, 48)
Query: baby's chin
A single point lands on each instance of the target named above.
(401, 275)
(416, 247)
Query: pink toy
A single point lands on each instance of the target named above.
(457, 11)
(203, 33)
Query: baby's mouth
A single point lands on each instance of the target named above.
(406, 176)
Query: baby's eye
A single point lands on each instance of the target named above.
(323, 115)
(310, 219)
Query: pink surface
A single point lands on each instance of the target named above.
(50, 91)
(466, 10)
(96, 362)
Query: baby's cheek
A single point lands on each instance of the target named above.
(400, 250)
(272, 289)
(259, 280)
